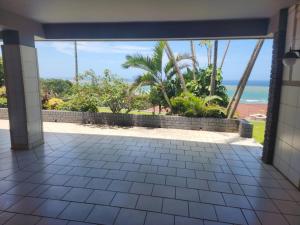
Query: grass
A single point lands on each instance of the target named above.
(258, 130)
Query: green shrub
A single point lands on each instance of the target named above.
(2, 91)
(3, 102)
(53, 104)
(188, 105)
(80, 104)
(192, 106)
(215, 111)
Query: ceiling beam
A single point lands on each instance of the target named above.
(11, 21)
(241, 28)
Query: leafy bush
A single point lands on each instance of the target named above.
(1, 72)
(114, 92)
(53, 104)
(55, 87)
(192, 106)
(80, 104)
(2, 91)
(215, 111)
(201, 86)
(136, 102)
(3, 102)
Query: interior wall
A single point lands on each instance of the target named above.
(287, 146)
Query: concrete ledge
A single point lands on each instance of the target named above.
(245, 129)
(157, 121)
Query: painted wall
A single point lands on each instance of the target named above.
(287, 146)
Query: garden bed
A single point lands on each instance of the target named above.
(155, 121)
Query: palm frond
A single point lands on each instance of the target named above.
(158, 54)
(208, 99)
(140, 62)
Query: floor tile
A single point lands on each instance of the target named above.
(238, 201)
(77, 181)
(98, 183)
(20, 219)
(262, 204)
(50, 208)
(51, 221)
(211, 197)
(149, 203)
(27, 205)
(76, 211)
(130, 217)
(125, 200)
(187, 194)
(175, 207)
(55, 192)
(202, 211)
(101, 197)
(7, 201)
(77, 195)
(103, 215)
(267, 218)
(179, 220)
(230, 215)
(159, 219)
(163, 191)
(118, 185)
(141, 188)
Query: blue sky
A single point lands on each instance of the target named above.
(56, 59)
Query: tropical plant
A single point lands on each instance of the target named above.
(53, 104)
(189, 105)
(152, 67)
(1, 73)
(2, 91)
(114, 92)
(155, 73)
(80, 103)
(55, 87)
(201, 86)
(3, 102)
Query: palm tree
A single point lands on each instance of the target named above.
(176, 66)
(214, 73)
(208, 45)
(153, 68)
(194, 59)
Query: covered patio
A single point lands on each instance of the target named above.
(110, 175)
(55, 173)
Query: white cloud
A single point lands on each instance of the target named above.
(100, 47)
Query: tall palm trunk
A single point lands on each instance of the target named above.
(194, 59)
(214, 73)
(178, 72)
(76, 62)
(225, 53)
(232, 106)
(166, 97)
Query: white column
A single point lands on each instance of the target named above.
(24, 104)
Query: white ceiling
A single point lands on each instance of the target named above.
(64, 11)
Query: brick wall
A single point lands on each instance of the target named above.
(176, 122)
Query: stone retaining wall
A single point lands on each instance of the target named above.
(177, 122)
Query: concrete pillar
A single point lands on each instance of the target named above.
(22, 85)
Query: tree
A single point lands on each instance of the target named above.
(114, 92)
(55, 87)
(194, 59)
(208, 45)
(214, 72)
(153, 69)
(232, 106)
(1, 73)
(176, 66)
(225, 54)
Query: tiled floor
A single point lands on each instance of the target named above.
(135, 176)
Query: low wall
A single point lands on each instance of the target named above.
(177, 122)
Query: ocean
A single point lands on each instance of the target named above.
(256, 92)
